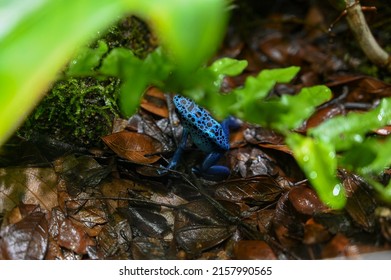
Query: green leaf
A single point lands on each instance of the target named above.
(87, 60)
(345, 131)
(119, 61)
(289, 111)
(256, 88)
(370, 157)
(36, 41)
(191, 30)
(228, 66)
(38, 37)
(132, 71)
(319, 163)
(301, 106)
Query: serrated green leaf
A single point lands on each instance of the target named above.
(228, 66)
(119, 61)
(289, 111)
(345, 131)
(319, 163)
(370, 157)
(256, 88)
(87, 59)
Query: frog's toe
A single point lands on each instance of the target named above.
(213, 173)
(162, 170)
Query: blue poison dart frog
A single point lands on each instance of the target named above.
(207, 134)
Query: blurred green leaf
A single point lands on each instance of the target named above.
(87, 60)
(228, 66)
(135, 74)
(345, 131)
(191, 30)
(318, 161)
(38, 37)
(289, 111)
(256, 88)
(370, 157)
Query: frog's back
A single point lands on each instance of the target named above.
(205, 131)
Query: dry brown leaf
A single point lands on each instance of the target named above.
(154, 102)
(31, 185)
(134, 146)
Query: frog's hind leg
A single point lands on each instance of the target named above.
(210, 171)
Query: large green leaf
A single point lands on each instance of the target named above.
(318, 161)
(38, 37)
(345, 131)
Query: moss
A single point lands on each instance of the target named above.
(77, 111)
(131, 33)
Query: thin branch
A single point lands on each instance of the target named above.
(363, 35)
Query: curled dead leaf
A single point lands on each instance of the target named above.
(134, 146)
(154, 101)
(25, 240)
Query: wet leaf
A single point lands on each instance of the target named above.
(360, 204)
(25, 240)
(133, 146)
(305, 201)
(73, 237)
(324, 114)
(258, 87)
(160, 130)
(250, 161)
(146, 221)
(253, 250)
(27, 185)
(253, 190)
(228, 66)
(265, 220)
(78, 173)
(91, 216)
(204, 213)
(114, 240)
(195, 239)
(154, 101)
(148, 248)
(287, 225)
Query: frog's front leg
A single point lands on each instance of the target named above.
(178, 153)
(210, 171)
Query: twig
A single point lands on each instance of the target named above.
(363, 35)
